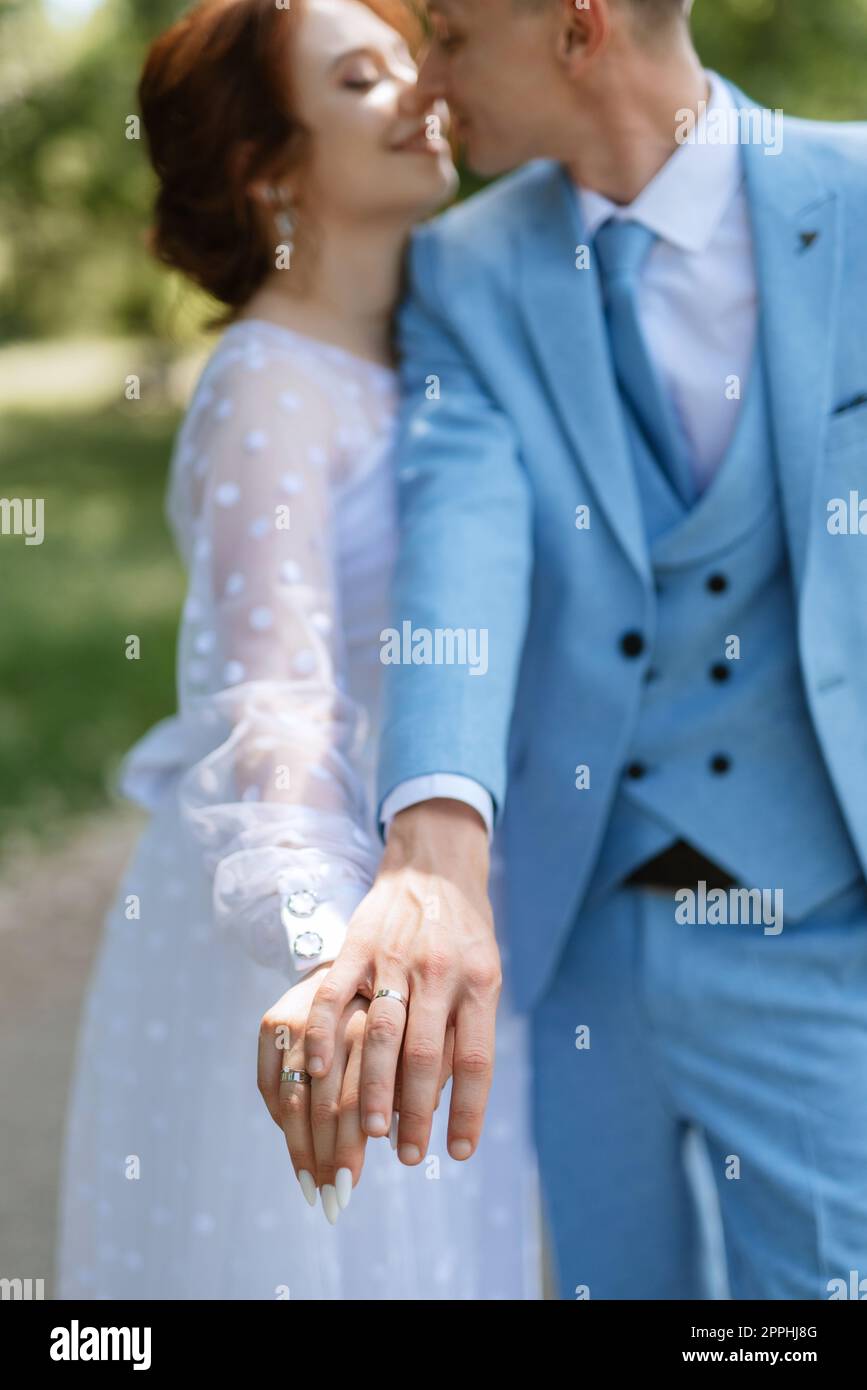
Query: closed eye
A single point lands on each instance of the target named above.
(443, 36)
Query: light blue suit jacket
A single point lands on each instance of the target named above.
(527, 427)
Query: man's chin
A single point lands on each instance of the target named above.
(487, 163)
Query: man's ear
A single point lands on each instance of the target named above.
(583, 28)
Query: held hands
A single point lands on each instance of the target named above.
(426, 930)
(321, 1119)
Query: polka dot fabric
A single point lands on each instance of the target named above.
(176, 1183)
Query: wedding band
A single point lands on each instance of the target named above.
(392, 994)
(302, 1076)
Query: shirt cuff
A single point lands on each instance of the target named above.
(316, 927)
(434, 784)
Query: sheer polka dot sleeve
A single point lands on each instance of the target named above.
(276, 800)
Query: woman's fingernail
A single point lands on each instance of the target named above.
(315, 1065)
(329, 1203)
(308, 1186)
(375, 1122)
(392, 1134)
(343, 1187)
(408, 1153)
(460, 1148)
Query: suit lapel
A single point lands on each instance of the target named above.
(795, 222)
(562, 308)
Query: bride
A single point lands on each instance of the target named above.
(292, 160)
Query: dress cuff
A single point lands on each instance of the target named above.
(316, 925)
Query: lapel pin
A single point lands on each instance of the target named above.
(807, 239)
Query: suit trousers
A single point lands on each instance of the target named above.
(654, 1032)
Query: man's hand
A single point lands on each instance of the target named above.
(425, 929)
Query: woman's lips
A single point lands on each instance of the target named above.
(422, 143)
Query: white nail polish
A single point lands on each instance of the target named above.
(343, 1187)
(308, 1186)
(329, 1203)
(392, 1133)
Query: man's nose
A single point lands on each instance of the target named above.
(431, 76)
(425, 93)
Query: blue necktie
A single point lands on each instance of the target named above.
(621, 249)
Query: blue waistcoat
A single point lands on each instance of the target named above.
(723, 722)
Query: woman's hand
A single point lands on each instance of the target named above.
(320, 1119)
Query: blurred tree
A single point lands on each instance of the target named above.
(805, 57)
(76, 189)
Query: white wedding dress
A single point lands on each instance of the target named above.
(176, 1183)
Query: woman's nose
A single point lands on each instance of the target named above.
(414, 103)
(410, 101)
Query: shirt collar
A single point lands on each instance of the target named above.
(685, 201)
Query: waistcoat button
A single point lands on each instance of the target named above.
(717, 583)
(720, 763)
(632, 644)
(719, 671)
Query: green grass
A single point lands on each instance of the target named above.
(70, 701)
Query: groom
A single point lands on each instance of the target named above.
(633, 450)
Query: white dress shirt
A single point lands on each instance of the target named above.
(697, 302)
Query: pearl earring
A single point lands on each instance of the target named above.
(284, 218)
(285, 223)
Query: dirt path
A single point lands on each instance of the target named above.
(52, 905)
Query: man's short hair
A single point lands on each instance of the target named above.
(662, 9)
(649, 10)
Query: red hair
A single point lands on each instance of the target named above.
(218, 111)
